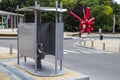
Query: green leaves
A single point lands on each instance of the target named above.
(69, 4)
(102, 10)
(107, 10)
(103, 15)
(89, 3)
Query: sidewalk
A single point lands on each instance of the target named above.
(112, 42)
(9, 61)
(76, 34)
(111, 45)
(3, 76)
(4, 54)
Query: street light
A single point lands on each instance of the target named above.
(113, 24)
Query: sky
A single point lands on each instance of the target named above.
(118, 1)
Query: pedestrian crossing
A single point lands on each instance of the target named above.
(87, 51)
(68, 51)
(73, 51)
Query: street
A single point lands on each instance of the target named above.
(97, 64)
(6, 42)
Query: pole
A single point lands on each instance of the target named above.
(12, 23)
(113, 24)
(60, 14)
(60, 64)
(56, 11)
(2, 21)
(56, 21)
(18, 62)
(56, 66)
(36, 39)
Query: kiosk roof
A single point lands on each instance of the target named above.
(9, 13)
(43, 9)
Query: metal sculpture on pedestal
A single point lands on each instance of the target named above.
(86, 23)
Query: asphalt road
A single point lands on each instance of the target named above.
(97, 64)
(6, 42)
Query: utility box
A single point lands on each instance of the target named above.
(48, 36)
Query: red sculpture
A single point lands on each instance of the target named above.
(86, 23)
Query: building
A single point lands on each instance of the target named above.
(9, 19)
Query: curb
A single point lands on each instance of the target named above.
(15, 72)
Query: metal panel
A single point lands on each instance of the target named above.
(43, 36)
(52, 39)
(59, 41)
(27, 41)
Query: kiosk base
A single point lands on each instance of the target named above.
(46, 70)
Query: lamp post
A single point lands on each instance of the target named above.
(113, 24)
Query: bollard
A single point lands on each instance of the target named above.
(92, 44)
(79, 34)
(11, 49)
(84, 43)
(119, 47)
(101, 37)
(103, 46)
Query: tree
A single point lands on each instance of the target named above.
(116, 12)
(103, 15)
(71, 24)
(89, 3)
(102, 10)
(69, 4)
(10, 5)
(105, 2)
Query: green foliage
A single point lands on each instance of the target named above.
(106, 2)
(10, 5)
(116, 12)
(102, 10)
(103, 14)
(89, 3)
(103, 17)
(69, 4)
(107, 10)
(71, 24)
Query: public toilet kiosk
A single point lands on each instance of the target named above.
(35, 40)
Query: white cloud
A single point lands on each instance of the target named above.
(118, 1)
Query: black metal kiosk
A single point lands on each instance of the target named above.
(35, 40)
